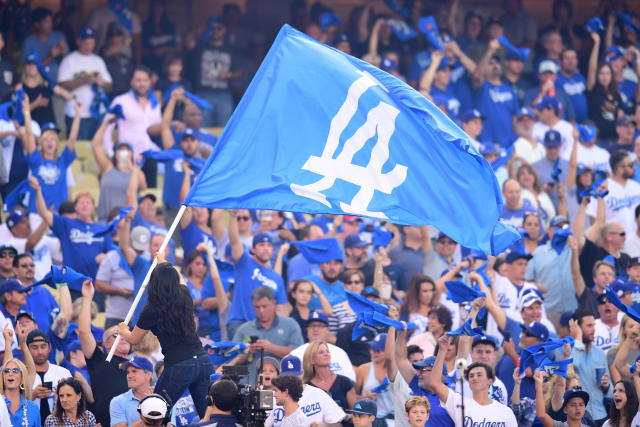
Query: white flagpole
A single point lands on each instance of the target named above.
(145, 282)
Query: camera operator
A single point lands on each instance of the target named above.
(288, 391)
(154, 411)
(222, 397)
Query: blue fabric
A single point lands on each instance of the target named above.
(32, 410)
(33, 56)
(40, 302)
(172, 160)
(419, 63)
(402, 11)
(427, 25)
(319, 250)
(213, 316)
(466, 330)
(594, 25)
(503, 157)
(80, 245)
(116, 110)
(458, 291)
(613, 299)
(33, 44)
(559, 239)
(523, 53)
(242, 174)
(335, 293)
(248, 276)
(100, 101)
(17, 114)
(438, 415)
(587, 132)
(62, 274)
(402, 30)
(373, 321)
(329, 18)
(192, 235)
(201, 103)
(224, 351)
(121, 10)
(381, 237)
(532, 356)
(499, 104)
(575, 86)
(18, 194)
(627, 21)
(52, 176)
(627, 93)
(359, 304)
(449, 97)
(110, 228)
(151, 96)
(555, 368)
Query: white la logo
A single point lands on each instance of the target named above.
(380, 119)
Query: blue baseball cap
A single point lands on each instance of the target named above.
(388, 64)
(318, 316)
(487, 148)
(514, 254)
(614, 52)
(620, 286)
(552, 138)
(149, 196)
(72, 346)
(138, 362)
(370, 292)
(355, 241)
(548, 101)
(364, 406)
(290, 365)
(122, 143)
(484, 339)
(339, 39)
(11, 285)
(429, 361)
(558, 219)
(15, 217)
(526, 300)
(189, 132)
(6, 247)
(525, 111)
(25, 313)
(377, 344)
(565, 317)
(538, 330)
(261, 238)
(470, 115)
(575, 392)
(86, 33)
(444, 64)
(49, 126)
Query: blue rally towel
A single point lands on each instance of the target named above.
(628, 22)
(116, 110)
(594, 25)
(224, 351)
(555, 368)
(62, 274)
(203, 104)
(382, 387)
(381, 237)
(121, 10)
(458, 291)
(466, 330)
(586, 132)
(593, 190)
(427, 25)
(319, 250)
(559, 240)
(328, 19)
(17, 195)
(173, 154)
(555, 173)
(532, 356)
(16, 99)
(110, 228)
(523, 53)
(502, 158)
(359, 304)
(33, 57)
(400, 10)
(371, 320)
(613, 299)
(402, 30)
(418, 150)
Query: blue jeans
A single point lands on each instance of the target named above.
(192, 374)
(222, 103)
(88, 127)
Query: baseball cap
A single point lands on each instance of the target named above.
(548, 101)
(86, 33)
(37, 335)
(339, 39)
(14, 218)
(261, 238)
(267, 360)
(513, 56)
(470, 115)
(149, 196)
(514, 254)
(575, 392)
(388, 64)
(49, 126)
(355, 241)
(318, 316)
(552, 138)
(558, 219)
(290, 365)
(633, 261)
(494, 20)
(139, 362)
(614, 52)
(484, 339)
(189, 132)
(8, 248)
(525, 111)
(445, 63)
(441, 236)
(537, 329)
(364, 406)
(10, 285)
(126, 144)
(527, 300)
(429, 361)
(624, 120)
(140, 238)
(377, 344)
(547, 66)
(153, 407)
(565, 317)
(621, 287)
(25, 313)
(370, 292)
(72, 346)
(349, 218)
(487, 148)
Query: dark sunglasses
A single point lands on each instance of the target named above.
(14, 370)
(7, 254)
(243, 218)
(621, 233)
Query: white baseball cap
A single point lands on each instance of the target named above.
(153, 408)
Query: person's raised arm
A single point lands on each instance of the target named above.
(41, 205)
(401, 357)
(282, 251)
(65, 303)
(573, 160)
(389, 354)
(217, 224)
(87, 341)
(75, 126)
(515, 394)
(36, 236)
(578, 281)
(24, 348)
(426, 239)
(593, 233)
(184, 190)
(104, 163)
(7, 334)
(435, 379)
(373, 38)
(636, 378)
(451, 18)
(124, 231)
(494, 309)
(28, 141)
(168, 141)
(468, 63)
(324, 302)
(608, 35)
(478, 75)
(541, 411)
(562, 200)
(237, 248)
(426, 80)
(220, 301)
(593, 61)
(559, 382)
(577, 228)
(622, 355)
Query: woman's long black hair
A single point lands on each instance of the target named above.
(170, 302)
(82, 405)
(630, 408)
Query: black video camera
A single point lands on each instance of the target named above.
(252, 403)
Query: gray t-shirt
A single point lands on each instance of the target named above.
(631, 359)
(110, 271)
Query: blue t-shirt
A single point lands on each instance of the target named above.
(203, 315)
(323, 222)
(52, 175)
(498, 103)
(192, 235)
(40, 302)
(79, 245)
(462, 86)
(213, 316)
(248, 276)
(575, 86)
(627, 93)
(334, 293)
(418, 65)
(173, 176)
(42, 48)
(73, 369)
(32, 412)
(453, 104)
(438, 415)
(139, 268)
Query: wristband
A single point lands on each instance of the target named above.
(63, 284)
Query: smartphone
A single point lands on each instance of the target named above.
(507, 336)
(253, 339)
(48, 384)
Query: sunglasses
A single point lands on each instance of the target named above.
(7, 254)
(621, 233)
(243, 218)
(14, 370)
(353, 282)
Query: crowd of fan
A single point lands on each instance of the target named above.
(562, 143)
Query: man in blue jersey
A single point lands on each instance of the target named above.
(252, 270)
(573, 83)
(495, 99)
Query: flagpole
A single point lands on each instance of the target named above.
(145, 282)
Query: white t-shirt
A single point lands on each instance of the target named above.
(401, 392)
(497, 391)
(634, 423)
(632, 245)
(340, 363)
(566, 131)
(7, 322)
(593, 157)
(621, 203)
(54, 374)
(604, 336)
(509, 295)
(496, 414)
(70, 68)
(315, 404)
(525, 150)
(297, 419)
(4, 414)
(8, 145)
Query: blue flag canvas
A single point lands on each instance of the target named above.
(347, 138)
(319, 250)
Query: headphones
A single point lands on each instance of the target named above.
(167, 416)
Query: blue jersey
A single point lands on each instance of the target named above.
(462, 86)
(575, 86)
(250, 275)
(192, 235)
(438, 415)
(419, 63)
(453, 104)
(52, 175)
(203, 315)
(155, 229)
(498, 103)
(334, 293)
(213, 316)
(80, 246)
(173, 176)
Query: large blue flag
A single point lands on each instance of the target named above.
(319, 131)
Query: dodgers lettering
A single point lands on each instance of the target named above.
(468, 422)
